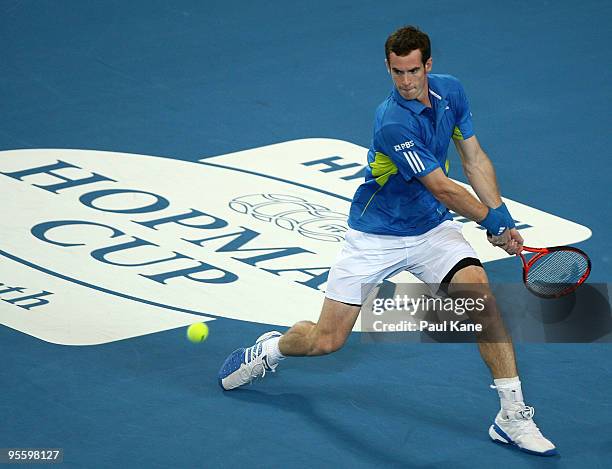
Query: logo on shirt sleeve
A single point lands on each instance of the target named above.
(414, 160)
(404, 146)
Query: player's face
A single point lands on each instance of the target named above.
(410, 75)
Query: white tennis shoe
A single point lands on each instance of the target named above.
(244, 365)
(516, 427)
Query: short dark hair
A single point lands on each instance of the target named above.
(405, 40)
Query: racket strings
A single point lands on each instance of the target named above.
(557, 271)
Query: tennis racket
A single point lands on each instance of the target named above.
(555, 271)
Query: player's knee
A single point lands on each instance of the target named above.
(470, 275)
(479, 275)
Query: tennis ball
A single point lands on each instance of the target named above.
(197, 332)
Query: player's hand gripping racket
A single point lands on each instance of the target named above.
(555, 271)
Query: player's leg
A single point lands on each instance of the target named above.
(494, 341)
(326, 336)
(449, 261)
(514, 422)
(361, 262)
(305, 338)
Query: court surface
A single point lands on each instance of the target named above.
(108, 375)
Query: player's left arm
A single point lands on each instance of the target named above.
(479, 171)
(481, 175)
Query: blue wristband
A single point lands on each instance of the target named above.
(509, 220)
(495, 222)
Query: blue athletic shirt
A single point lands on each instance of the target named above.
(410, 140)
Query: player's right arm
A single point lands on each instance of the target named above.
(459, 200)
(453, 196)
(414, 160)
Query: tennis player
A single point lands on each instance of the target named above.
(399, 220)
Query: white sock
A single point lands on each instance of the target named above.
(510, 392)
(273, 351)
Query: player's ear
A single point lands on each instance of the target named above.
(428, 65)
(387, 66)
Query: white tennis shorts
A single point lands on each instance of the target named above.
(369, 259)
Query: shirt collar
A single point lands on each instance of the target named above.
(415, 105)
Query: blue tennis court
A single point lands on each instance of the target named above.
(152, 110)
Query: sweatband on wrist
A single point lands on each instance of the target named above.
(504, 210)
(495, 222)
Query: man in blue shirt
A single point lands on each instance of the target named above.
(399, 220)
(411, 137)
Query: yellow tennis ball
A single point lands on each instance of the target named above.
(197, 332)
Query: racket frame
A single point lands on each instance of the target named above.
(541, 252)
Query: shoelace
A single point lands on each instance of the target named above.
(523, 419)
(260, 363)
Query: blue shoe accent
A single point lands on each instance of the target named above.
(242, 366)
(504, 435)
(550, 452)
(231, 364)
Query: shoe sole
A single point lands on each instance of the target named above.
(219, 379)
(506, 441)
(261, 338)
